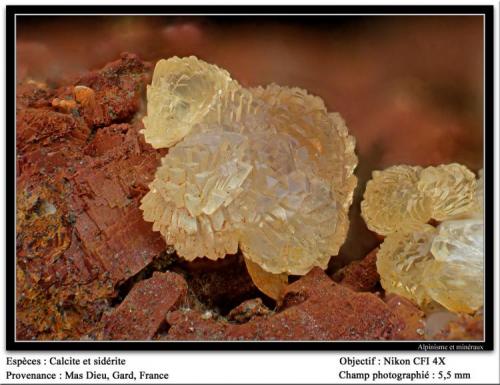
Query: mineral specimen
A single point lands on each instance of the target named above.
(451, 189)
(392, 200)
(268, 170)
(79, 229)
(419, 261)
(401, 262)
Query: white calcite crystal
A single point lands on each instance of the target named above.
(416, 260)
(267, 170)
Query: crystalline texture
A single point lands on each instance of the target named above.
(455, 277)
(424, 264)
(393, 201)
(451, 188)
(401, 261)
(267, 169)
(189, 196)
(181, 93)
(460, 241)
(407, 196)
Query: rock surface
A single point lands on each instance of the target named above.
(220, 285)
(314, 308)
(143, 312)
(360, 275)
(79, 230)
(248, 310)
(413, 318)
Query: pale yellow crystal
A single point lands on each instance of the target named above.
(455, 278)
(451, 188)
(267, 169)
(189, 197)
(443, 264)
(325, 135)
(460, 241)
(457, 287)
(401, 261)
(180, 95)
(273, 285)
(393, 202)
(306, 161)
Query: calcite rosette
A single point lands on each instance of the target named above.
(392, 200)
(421, 262)
(267, 170)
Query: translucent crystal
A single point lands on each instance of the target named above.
(292, 222)
(402, 260)
(451, 188)
(191, 212)
(455, 278)
(457, 287)
(392, 201)
(267, 169)
(460, 241)
(424, 264)
(273, 285)
(180, 95)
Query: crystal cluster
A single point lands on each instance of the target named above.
(266, 169)
(417, 260)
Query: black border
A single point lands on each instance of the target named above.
(486, 10)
